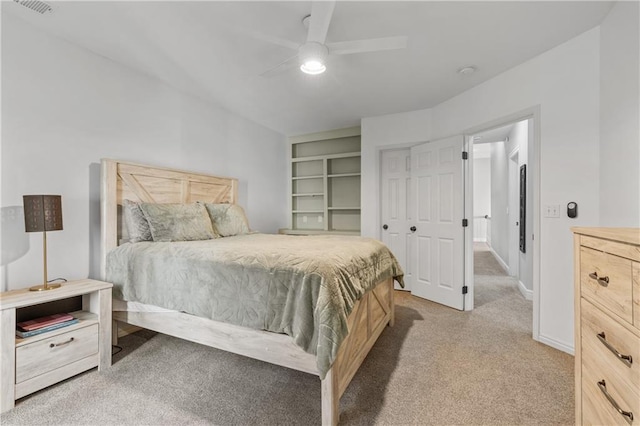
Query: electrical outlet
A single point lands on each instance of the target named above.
(304, 219)
(319, 219)
(552, 210)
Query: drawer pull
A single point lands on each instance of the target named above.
(53, 345)
(603, 281)
(627, 359)
(628, 415)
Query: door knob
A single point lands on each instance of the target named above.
(413, 229)
(385, 226)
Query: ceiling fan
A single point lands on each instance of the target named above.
(312, 54)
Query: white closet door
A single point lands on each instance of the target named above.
(438, 193)
(396, 208)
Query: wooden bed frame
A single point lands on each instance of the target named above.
(122, 180)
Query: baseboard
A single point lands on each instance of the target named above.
(499, 259)
(479, 240)
(556, 345)
(526, 293)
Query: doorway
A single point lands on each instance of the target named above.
(501, 260)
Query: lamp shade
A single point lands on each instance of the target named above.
(42, 213)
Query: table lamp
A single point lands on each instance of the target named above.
(43, 213)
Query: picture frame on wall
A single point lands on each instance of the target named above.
(523, 207)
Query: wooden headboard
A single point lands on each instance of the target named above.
(138, 182)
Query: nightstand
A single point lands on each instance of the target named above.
(30, 364)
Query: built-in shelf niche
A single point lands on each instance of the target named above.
(325, 182)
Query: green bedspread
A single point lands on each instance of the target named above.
(303, 286)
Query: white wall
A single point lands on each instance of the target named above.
(620, 116)
(64, 108)
(500, 200)
(564, 83)
(481, 197)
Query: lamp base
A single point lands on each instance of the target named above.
(43, 288)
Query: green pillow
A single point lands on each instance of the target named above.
(178, 222)
(228, 219)
(137, 225)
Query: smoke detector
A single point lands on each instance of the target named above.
(36, 5)
(467, 70)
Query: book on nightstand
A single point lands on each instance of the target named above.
(25, 334)
(44, 324)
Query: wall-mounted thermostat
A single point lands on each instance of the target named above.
(572, 210)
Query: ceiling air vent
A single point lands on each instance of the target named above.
(36, 5)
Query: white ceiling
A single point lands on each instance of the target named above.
(213, 50)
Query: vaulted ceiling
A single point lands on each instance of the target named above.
(217, 50)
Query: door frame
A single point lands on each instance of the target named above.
(512, 200)
(533, 164)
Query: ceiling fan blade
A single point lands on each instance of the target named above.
(368, 45)
(281, 67)
(272, 39)
(321, 12)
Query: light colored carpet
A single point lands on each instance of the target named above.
(484, 262)
(436, 366)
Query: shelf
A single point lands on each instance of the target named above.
(327, 156)
(85, 319)
(307, 177)
(325, 172)
(338, 175)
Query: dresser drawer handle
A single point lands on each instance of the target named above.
(603, 281)
(53, 345)
(627, 359)
(628, 415)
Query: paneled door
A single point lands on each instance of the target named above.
(438, 194)
(396, 208)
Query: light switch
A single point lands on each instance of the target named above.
(552, 210)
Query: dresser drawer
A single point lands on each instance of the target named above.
(46, 355)
(607, 279)
(596, 408)
(636, 295)
(603, 338)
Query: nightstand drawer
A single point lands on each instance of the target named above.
(606, 279)
(45, 355)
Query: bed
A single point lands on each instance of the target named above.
(365, 316)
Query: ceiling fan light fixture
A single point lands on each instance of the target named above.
(313, 67)
(313, 58)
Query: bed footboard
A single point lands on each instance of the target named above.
(368, 319)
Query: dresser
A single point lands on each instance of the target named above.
(607, 325)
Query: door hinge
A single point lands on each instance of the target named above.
(465, 155)
(465, 223)
(465, 289)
